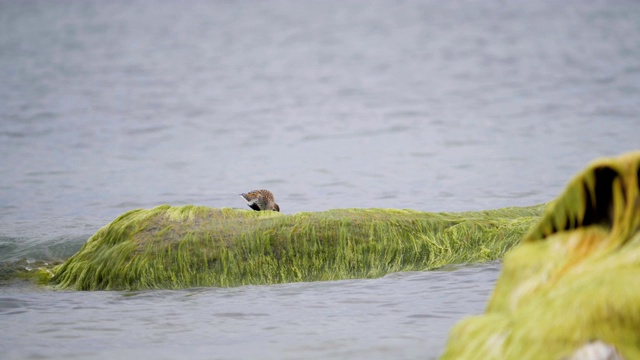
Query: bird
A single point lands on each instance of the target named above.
(260, 200)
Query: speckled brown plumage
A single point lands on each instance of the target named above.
(260, 200)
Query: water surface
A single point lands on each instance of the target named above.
(425, 105)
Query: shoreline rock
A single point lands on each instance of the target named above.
(191, 246)
(573, 280)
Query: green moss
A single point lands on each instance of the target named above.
(574, 279)
(190, 246)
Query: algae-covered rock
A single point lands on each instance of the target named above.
(573, 281)
(188, 246)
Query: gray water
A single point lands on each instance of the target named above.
(401, 316)
(427, 105)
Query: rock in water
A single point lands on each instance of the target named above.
(573, 280)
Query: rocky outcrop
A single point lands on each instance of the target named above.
(574, 280)
(189, 246)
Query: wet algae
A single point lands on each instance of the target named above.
(190, 246)
(572, 287)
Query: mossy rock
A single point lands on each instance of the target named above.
(191, 246)
(573, 284)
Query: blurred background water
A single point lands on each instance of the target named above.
(426, 105)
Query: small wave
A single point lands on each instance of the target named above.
(12, 269)
(13, 249)
(19, 255)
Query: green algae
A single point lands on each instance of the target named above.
(192, 246)
(38, 272)
(573, 280)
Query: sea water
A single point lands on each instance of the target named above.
(426, 105)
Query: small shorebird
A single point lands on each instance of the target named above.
(260, 200)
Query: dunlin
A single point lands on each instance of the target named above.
(260, 200)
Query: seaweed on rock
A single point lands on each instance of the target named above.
(573, 284)
(191, 246)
